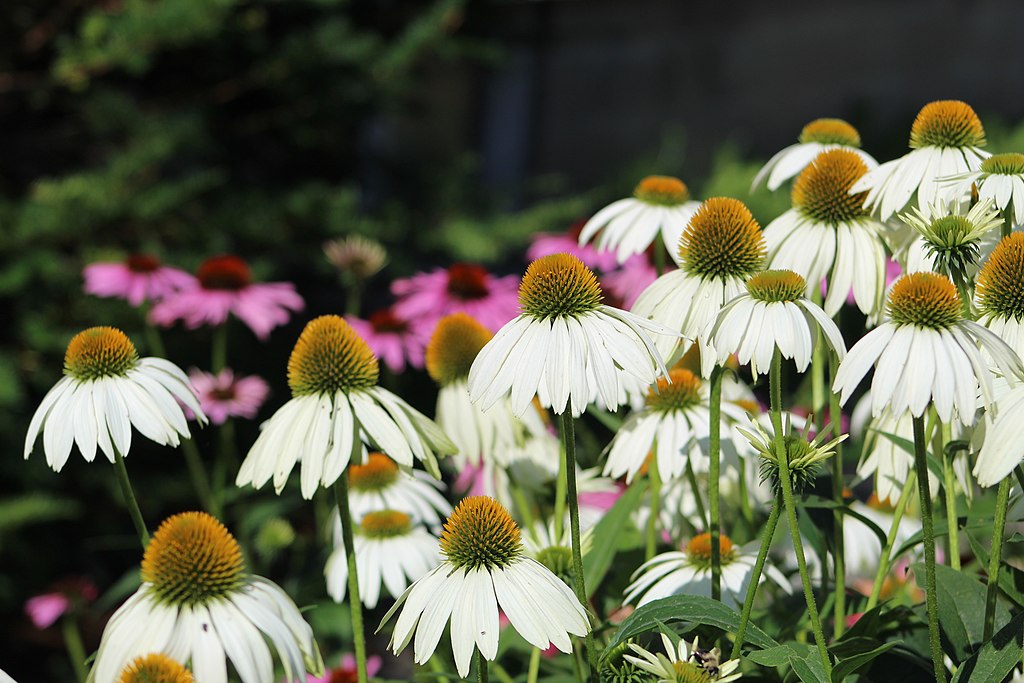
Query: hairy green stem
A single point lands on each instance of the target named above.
(714, 454)
(531, 675)
(890, 540)
(121, 473)
(355, 603)
(755, 576)
(995, 558)
(481, 667)
(949, 489)
(931, 592)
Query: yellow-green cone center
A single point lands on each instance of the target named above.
(925, 300)
(480, 533)
(453, 347)
(1000, 287)
(155, 668)
(191, 560)
(776, 285)
(722, 240)
(329, 357)
(558, 286)
(662, 190)
(376, 474)
(99, 352)
(822, 190)
(679, 392)
(947, 123)
(1011, 163)
(558, 559)
(830, 132)
(385, 524)
(691, 672)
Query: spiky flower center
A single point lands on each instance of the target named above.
(1011, 163)
(947, 123)
(142, 263)
(192, 560)
(468, 281)
(925, 300)
(680, 391)
(662, 190)
(773, 286)
(99, 352)
(226, 272)
(155, 668)
(480, 534)
(378, 473)
(698, 550)
(830, 132)
(558, 286)
(453, 347)
(329, 357)
(802, 456)
(722, 240)
(822, 190)
(689, 672)
(1000, 287)
(385, 321)
(385, 524)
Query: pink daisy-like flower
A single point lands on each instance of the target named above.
(547, 243)
(345, 672)
(44, 610)
(628, 282)
(223, 395)
(224, 286)
(139, 278)
(465, 287)
(392, 339)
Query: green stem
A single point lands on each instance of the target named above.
(652, 521)
(354, 296)
(994, 560)
(691, 477)
(569, 439)
(659, 256)
(121, 473)
(921, 463)
(949, 489)
(156, 343)
(481, 667)
(200, 482)
(523, 506)
(355, 603)
(531, 676)
(755, 576)
(775, 384)
(714, 454)
(219, 348)
(1008, 219)
(839, 547)
(76, 651)
(500, 673)
(560, 496)
(745, 508)
(890, 540)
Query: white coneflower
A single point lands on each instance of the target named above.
(945, 140)
(198, 604)
(336, 407)
(950, 239)
(379, 484)
(926, 354)
(106, 390)
(999, 292)
(629, 226)
(816, 137)
(829, 234)
(803, 457)
(999, 180)
(773, 312)
(566, 347)
(484, 569)
(153, 668)
(357, 256)
(684, 663)
(390, 550)
(721, 247)
(885, 459)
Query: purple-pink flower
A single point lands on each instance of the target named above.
(392, 339)
(223, 395)
(627, 283)
(547, 243)
(425, 298)
(139, 278)
(345, 672)
(44, 610)
(224, 286)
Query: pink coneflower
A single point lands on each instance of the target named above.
(224, 285)
(345, 672)
(139, 278)
(392, 339)
(223, 395)
(547, 243)
(463, 287)
(44, 610)
(629, 281)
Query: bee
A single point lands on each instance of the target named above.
(707, 659)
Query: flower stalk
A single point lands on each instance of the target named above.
(355, 602)
(931, 592)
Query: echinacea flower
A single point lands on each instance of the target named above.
(390, 550)
(106, 390)
(999, 294)
(689, 572)
(392, 339)
(999, 180)
(155, 668)
(926, 353)
(803, 456)
(816, 137)
(829, 234)
(721, 247)
(951, 239)
(379, 484)
(945, 140)
(197, 603)
(884, 458)
(139, 279)
(566, 347)
(684, 663)
(356, 256)
(336, 407)
(774, 312)
(224, 287)
(44, 610)
(484, 568)
(462, 287)
(224, 395)
(346, 671)
(659, 205)
(546, 243)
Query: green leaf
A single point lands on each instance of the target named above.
(693, 609)
(808, 666)
(606, 536)
(851, 665)
(772, 656)
(997, 658)
(1011, 579)
(818, 502)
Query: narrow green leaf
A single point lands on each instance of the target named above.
(851, 665)
(997, 658)
(809, 668)
(773, 656)
(1011, 579)
(606, 536)
(818, 502)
